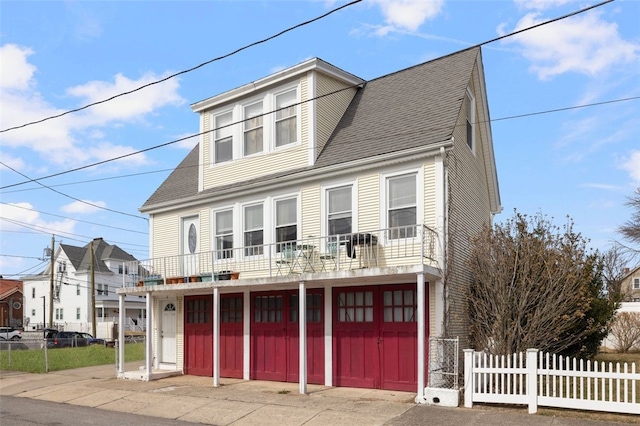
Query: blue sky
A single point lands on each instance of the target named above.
(56, 56)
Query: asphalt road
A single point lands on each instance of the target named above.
(24, 411)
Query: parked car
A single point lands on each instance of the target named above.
(10, 333)
(64, 339)
(92, 340)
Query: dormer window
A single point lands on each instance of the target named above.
(223, 138)
(253, 129)
(257, 125)
(286, 129)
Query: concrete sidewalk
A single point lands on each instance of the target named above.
(238, 402)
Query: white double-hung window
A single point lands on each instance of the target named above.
(253, 133)
(286, 118)
(223, 230)
(253, 230)
(339, 210)
(286, 221)
(223, 138)
(402, 209)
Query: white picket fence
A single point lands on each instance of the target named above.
(543, 379)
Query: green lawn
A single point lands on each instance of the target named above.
(33, 361)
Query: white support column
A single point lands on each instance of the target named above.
(121, 319)
(328, 338)
(302, 322)
(469, 375)
(149, 337)
(246, 331)
(216, 337)
(421, 317)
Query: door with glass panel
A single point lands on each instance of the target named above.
(190, 246)
(275, 335)
(375, 337)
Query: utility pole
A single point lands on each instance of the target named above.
(93, 295)
(53, 241)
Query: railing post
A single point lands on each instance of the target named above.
(532, 380)
(468, 378)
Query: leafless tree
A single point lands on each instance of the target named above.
(615, 260)
(631, 229)
(625, 328)
(533, 287)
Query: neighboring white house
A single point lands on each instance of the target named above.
(72, 289)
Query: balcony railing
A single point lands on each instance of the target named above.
(313, 255)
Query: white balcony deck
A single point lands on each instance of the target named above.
(373, 253)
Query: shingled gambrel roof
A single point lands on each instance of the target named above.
(414, 107)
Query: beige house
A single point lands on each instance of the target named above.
(312, 190)
(631, 285)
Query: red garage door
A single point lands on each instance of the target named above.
(375, 337)
(275, 336)
(198, 332)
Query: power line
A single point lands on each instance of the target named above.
(424, 129)
(21, 257)
(70, 197)
(255, 43)
(50, 231)
(77, 220)
(299, 103)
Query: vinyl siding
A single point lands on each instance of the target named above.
(310, 211)
(330, 109)
(368, 203)
(469, 211)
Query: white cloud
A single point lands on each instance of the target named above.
(22, 217)
(17, 72)
(632, 165)
(585, 44)
(406, 14)
(83, 207)
(540, 4)
(78, 138)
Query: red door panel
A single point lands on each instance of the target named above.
(275, 340)
(198, 335)
(375, 337)
(231, 335)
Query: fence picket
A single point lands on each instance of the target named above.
(551, 380)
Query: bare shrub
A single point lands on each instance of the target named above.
(626, 330)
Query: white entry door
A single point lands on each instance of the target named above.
(168, 332)
(190, 246)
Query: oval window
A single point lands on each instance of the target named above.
(193, 238)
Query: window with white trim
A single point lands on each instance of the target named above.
(253, 230)
(77, 313)
(402, 209)
(33, 312)
(253, 131)
(223, 138)
(223, 230)
(286, 221)
(636, 283)
(59, 313)
(33, 292)
(339, 210)
(470, 108)
(286, 118)
(77, 289)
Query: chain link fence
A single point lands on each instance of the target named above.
(443, 363)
